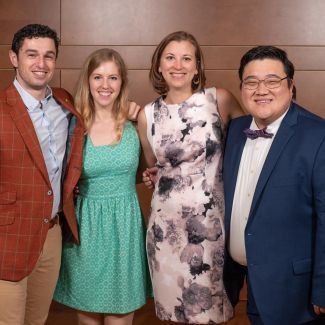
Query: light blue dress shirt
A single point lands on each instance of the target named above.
(51, 122)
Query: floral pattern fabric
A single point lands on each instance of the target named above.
(185, 237)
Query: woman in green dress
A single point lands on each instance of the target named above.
(106, 277)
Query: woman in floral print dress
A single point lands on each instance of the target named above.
(182, 133)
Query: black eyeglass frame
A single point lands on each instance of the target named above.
(242, 84)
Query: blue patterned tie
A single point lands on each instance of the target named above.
(254, 134)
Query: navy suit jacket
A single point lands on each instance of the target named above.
(285, 232)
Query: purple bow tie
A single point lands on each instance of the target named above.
(254, 134)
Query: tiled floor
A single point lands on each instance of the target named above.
(61, 315)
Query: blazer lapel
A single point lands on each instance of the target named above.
(75, 131)
(282, 137)
(237, 147)
(234, 149)
(73, 159)
(24, 124)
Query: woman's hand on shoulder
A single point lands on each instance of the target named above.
(134, 110)
(228, 105)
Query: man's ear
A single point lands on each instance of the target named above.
(13, 58)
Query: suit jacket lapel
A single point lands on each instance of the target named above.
(75, 131)
(73, 159)
(24, 124)
(237, 147)
(234, 149)
(282, 137)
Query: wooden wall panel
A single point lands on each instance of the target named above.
(310, 89)
(307, 58)
(69, 79)
(144, 195)
(228, 57)
(4, 57)
(214, 22)
(14, 14)
(136, 57)
(140, 89)
(6, 76)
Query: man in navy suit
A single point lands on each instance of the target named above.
(274, 176)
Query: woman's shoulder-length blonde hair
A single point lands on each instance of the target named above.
(83, 100)
(157, 80)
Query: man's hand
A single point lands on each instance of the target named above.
(134, 110)
(319, 310)
(149, 177)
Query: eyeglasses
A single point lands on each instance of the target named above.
(269, 83)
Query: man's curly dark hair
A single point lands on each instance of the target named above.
(34, 31)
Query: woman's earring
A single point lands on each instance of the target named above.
(196, 80)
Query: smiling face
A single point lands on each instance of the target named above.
(178, 65)
(35, 64)
(105, 84)
(266, 105)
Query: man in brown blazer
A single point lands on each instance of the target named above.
(41, 140)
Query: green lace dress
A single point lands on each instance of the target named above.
(108, 272)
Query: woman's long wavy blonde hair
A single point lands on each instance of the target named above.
(84, 102)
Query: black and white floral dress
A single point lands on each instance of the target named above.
(185, 237)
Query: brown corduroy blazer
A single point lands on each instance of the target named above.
(25, 191)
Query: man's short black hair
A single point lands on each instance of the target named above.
(268, 52)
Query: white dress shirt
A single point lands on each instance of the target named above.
(251, 163)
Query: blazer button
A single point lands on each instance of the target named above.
(46, 220)
(49, 192)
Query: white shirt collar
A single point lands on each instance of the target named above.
(30, 101)
(273, 127)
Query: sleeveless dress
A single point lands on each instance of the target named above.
(108, 272)
(185, 236)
